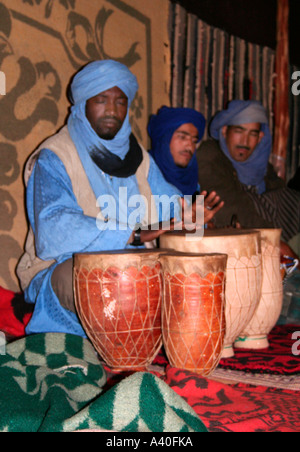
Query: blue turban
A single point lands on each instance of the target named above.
(161, 129)
(252, 171)
(93, 79)
(112, 155)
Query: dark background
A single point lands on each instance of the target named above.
(252, 20)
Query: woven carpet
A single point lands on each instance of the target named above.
(256, 391)
(229, 406)
(59, 383)
(237, 408)
(278, 359)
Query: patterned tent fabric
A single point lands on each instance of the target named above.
(69, 33)
(210, 67)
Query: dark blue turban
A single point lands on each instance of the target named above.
(161, 130)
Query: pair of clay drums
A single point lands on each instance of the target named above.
(227, 291)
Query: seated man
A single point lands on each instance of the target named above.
(175, 134)
(235, 163)
(95, 155)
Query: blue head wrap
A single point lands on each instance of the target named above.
(93, 79)
(161, 129)
(252, 171)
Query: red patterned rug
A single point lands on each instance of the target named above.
(242, 407)
(277, 359)
(237, 408)
(222, 407)
(229, 407)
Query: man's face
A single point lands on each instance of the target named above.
(183, 144)
(106, 112)
(242, 140)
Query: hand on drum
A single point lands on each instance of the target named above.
(212, 205)
(151, 234)
(190, 214)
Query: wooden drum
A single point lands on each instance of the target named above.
(193, 319)
(118, 297)
(255, 334)
(244, 273)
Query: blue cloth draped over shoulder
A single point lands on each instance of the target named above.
(59, 225)
(251, 172)
(161, 129)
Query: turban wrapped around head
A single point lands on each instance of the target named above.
(238, 112)
(120, 156)
(100, 76)
(251, 172)
(93, 79)
(161, 129)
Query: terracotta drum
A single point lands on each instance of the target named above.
(255, 334)
(118, 297)
(193, 320)
(244, 273)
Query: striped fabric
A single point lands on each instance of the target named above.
(210, 67)
(280, 207)
(293, 158)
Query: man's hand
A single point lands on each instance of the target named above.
(149, 235)
(212, 205)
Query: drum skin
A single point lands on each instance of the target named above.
(118, 296)
(193, 319)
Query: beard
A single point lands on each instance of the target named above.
(107, 128)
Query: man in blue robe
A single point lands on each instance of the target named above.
(92, 159)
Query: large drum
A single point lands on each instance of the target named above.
(118, 297)
(244, 273)
(193, 319)
(255, 334)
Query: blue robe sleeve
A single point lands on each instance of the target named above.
(59, 224)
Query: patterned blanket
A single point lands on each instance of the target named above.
(54, 382)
